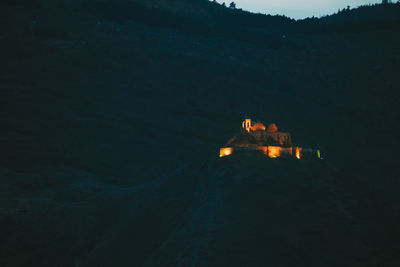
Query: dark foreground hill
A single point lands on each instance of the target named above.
(110, 133)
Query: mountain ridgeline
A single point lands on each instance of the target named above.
(202, 17)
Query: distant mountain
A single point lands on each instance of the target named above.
(62, 19)
(379, 12)
(195, 17)
(363, 18)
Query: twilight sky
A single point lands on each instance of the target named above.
(297, 9)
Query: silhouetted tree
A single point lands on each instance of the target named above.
(232, 5)
(223, 4)
(385, 2)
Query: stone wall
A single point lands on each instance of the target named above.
(276, 138)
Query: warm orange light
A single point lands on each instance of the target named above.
(298, 152)
(264, 150)
(225, 151)
(246, 124)
(258, 126)
(274, 151)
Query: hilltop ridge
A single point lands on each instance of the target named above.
(43, 19)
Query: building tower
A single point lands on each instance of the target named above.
(246, 125)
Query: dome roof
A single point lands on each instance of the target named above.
(258, 126)
(272, 128)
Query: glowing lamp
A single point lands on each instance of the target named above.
(298, 152)
(274, 151)
(225, 151)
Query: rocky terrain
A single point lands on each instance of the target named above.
(111, 122)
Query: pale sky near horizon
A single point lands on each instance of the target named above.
(297, 9)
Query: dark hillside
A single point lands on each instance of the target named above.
(371, 13)
(111, 126)
(361, 19)
(72, 20)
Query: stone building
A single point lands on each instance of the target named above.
(255, 133)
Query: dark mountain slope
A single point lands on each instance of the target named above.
(243, 213)
(361, 19)
(111, 132)
(371, 13)
(73, 20)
